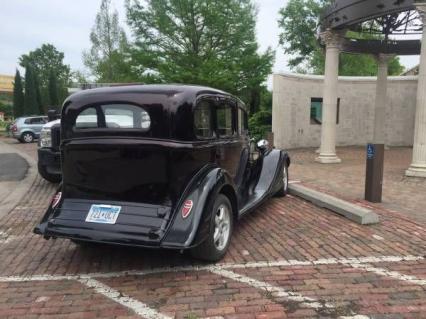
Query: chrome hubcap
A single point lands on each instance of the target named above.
(222, 225)
(28, 138)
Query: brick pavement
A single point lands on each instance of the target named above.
(289, 259)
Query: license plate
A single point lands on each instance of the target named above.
(103, 214)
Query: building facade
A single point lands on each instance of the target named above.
(297, 110)
(6, 83)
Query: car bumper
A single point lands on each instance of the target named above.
(138, 225)
(50, 160)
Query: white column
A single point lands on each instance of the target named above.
(381, 102)
(327, 154)
(418, 165)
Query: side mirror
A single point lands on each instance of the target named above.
(263, 145)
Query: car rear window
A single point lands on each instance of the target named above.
(114, 116)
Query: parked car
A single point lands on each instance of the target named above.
(175, 172)
(27, 129)
(49, 156)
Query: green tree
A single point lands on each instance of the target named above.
(53, 89)
(44, 60)
(107, 58)
(299, 24)
(201, 42)
(18, 95)
(31, 105)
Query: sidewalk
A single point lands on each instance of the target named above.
(17, 174)
(347, 180)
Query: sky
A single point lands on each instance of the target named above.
(25, 25)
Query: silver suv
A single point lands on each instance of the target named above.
(27, 129)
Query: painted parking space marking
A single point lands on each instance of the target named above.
(225, 270)
(261, 264)
(138, 307)
(276, 291)
(392, 274)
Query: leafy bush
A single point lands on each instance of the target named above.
(260, 123)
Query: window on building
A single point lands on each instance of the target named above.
(316, 111)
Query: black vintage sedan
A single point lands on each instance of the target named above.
(168, 166)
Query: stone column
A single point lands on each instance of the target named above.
(418, 165)
(332, 40)
(380, 102)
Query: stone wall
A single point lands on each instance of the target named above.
(292, 95)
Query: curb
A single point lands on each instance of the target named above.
(23, 186)
(347, 209)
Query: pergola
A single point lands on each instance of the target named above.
(380, 28)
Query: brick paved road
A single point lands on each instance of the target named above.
(289, 259)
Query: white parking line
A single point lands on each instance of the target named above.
(391, 274)
(223, 270)
(276, 291)
(138, 307)
(261, 264)
(279, 292)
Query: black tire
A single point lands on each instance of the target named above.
(52, 178)
(27, 137)
(208, 249)
(284, 183)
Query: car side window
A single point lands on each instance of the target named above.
(242, 121)
(203, 119)
(36, 120)
(225, 119)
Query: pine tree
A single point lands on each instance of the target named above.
(18, 96)
(53, 89)
(38, 94)
(31, 105)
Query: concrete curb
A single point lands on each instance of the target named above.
(349, 210)
(23, 186)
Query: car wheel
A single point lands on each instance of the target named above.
(27, 137)
(53, 178)
(284, 188)
(221, 226)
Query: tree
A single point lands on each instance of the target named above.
(299, 23)
(107, 58)
(18, 96)
(44, 60)
(53, 89)
(201, 42)
(31, 106)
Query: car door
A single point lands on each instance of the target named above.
(229, 145)
(37, 124)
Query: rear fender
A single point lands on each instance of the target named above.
(40, 229)
(202, 190)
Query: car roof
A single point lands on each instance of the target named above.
(151, 88)
(172, 91)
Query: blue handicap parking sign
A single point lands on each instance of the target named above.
(370, 151)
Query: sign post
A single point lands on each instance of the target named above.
(374, 172)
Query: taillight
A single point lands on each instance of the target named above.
(187, 207)
(14, 128)
(56, 199)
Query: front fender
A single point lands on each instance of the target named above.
(202, 190)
